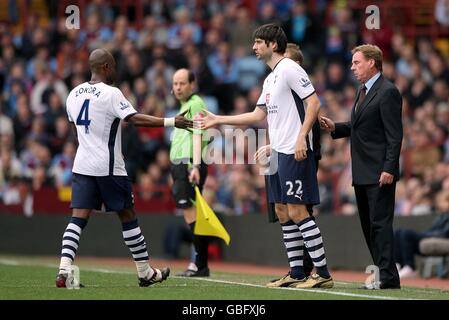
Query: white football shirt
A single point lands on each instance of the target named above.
(283, 91)
(96, 110)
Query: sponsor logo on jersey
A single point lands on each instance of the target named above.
(305, 82)
(124, 105)
(272, 109)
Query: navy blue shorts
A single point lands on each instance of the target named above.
(294, 181)
(89, 192)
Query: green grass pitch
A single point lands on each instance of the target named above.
(33, 278)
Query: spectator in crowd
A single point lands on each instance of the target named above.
(407, 240)
(46, 82)
(183, 31)
(224, 68)
(240, 28)
(61, 166)
(10, 169)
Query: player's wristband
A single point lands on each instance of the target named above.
(169, 122)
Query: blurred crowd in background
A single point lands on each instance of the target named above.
(41, 60)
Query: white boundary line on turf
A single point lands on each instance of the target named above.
(337, 293)
(12, 262)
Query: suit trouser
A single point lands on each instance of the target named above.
(376, 211)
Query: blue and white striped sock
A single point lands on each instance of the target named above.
(294, 244)
(70, 242)
(313, 243)
(136, 243)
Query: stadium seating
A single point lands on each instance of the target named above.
(436, 252)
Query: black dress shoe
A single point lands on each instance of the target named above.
(380, 285)
(384, 285)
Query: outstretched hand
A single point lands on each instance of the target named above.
(206, 122)
(182, 122)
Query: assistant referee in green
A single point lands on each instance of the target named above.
(187, 166)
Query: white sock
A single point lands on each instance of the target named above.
(144, 270)
(65, 264)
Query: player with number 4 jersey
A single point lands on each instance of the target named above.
(95, 110)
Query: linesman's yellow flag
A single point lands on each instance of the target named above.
(207, 223)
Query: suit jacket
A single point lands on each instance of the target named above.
(375, 132)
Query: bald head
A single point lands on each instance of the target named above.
(183, 84)
(99, 57)
(184, 73)
(102, 65)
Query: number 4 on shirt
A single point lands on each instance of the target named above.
(83, 116)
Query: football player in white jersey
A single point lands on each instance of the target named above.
(293, 52)
(291, 106)
(95, 110)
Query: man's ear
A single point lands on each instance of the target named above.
(274, 45)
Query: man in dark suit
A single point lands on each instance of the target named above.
(375, 131)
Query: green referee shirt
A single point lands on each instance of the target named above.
(182, 142)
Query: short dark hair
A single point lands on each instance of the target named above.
(272, 33)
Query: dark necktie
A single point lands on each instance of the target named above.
(361, 97)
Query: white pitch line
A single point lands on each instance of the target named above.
(9, 262)
(336, 293)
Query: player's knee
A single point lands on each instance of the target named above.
(81, 213)
(297, 212)
(281, 212)
(127, 215)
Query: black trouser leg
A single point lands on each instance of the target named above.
(381, 214)
(201, 244)
(363, 208)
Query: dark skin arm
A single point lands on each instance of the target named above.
(75, 134)
(143, 120)
(72, 125)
